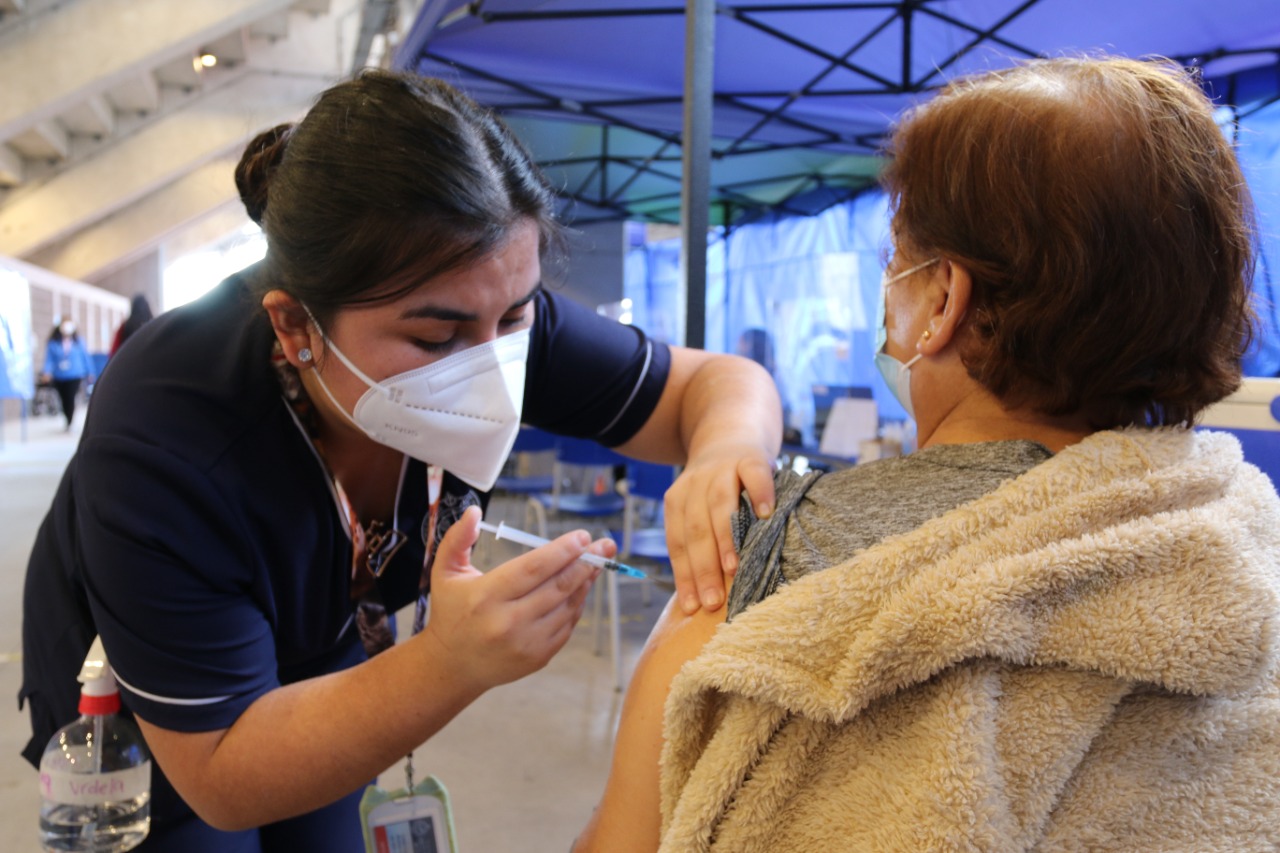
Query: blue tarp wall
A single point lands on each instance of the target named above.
(812, 284)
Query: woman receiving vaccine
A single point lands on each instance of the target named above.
(271, 470)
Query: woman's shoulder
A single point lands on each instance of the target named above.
(942, 473)
(847, 511)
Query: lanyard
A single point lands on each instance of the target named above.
(372, 547)
(369, 557)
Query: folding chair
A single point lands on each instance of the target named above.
(644, 531)
(528, 469)
(582, 487)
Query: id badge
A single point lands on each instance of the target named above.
(400, 821)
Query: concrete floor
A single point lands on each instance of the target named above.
(524, 765)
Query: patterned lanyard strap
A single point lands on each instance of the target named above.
(372, 548)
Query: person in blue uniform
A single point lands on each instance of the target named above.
(270, 471)
(66, 366)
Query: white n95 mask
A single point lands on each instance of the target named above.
(461, 412)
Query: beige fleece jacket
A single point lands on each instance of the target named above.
(1084, 659)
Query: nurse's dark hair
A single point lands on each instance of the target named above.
(1107, 227)
(389, 180)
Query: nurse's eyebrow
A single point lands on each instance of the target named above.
(435, 312)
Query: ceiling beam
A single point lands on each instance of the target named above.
(102, 116)
(112, 41)
(147, 160)
(375, 18)
(140, 94)
(141, 227)
(12, 170)
(55, 136)
(273, 27)
(207, 230)
(312, 7)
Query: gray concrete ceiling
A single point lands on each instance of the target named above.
(115, 141)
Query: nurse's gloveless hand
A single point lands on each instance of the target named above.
(699, 508)
(506, 623)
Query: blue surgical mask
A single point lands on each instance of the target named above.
(896, 374)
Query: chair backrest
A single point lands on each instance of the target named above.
(533, 440)
(585, 452)
(649, 479)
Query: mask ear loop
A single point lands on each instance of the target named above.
(305, 356)
(341, 357)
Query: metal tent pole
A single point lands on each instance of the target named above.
(695, 209)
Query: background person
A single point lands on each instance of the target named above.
(139, 314)
(66, 366)
(271, 470)
(1053, 626)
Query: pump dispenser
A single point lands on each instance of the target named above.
(98, 692)
(95, 775)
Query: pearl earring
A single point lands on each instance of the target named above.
(304, 355)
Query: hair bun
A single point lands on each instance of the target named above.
(253, 173)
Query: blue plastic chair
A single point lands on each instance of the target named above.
(527, 471)
(528, 441)
(591, 465)
(97, 363)
(647, 485)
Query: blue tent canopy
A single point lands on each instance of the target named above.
(804, 91)
(803, 95)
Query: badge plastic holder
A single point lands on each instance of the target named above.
(408, 821)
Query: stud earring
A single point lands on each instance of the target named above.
(304, 355)
(926, 335)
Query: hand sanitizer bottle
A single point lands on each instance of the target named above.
(95, 775)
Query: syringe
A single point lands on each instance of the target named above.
(503, 531)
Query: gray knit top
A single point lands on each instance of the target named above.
(822, 520)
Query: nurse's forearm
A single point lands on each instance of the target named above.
(710, 400)
(304, 745)
(730, 401)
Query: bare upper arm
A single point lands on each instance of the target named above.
(628, 817)
(182, 756)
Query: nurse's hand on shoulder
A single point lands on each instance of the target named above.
(506, 623)
(699, 509)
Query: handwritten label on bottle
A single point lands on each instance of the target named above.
(88, 789)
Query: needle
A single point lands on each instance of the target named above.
(503, 531)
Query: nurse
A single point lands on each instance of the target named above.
(270, 471)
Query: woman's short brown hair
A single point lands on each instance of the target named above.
(1106, 224)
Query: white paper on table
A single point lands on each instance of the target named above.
(852, 421)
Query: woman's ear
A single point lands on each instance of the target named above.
(954, 288)
(293, 328)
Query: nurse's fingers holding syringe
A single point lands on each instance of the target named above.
(510, 621)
